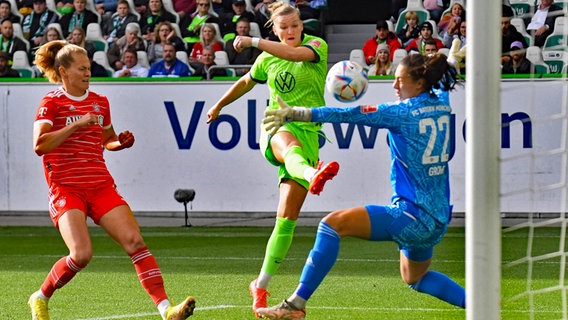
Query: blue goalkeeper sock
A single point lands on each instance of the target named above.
(442, 287)
(321, 259)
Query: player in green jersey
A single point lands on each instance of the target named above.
(295, 69)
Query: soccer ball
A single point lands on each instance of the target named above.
(346, 81)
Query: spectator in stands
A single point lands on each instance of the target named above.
(184, 7)
(207, 38)
(115, 28)
(6, 12)
(246, 55)
(450, 22)
(141, 6)
(518, 64)
(436, 8)
(426, 31)
(205, 62)
(541, 25)
(6, 70)
(382, 35)
(80, 17)
(509, 34)
(448, 38)
(309, 9)
(77, 37)
(163, 34)
(131, 68)
(155, 14)
(411, 30)
(8, 42)
(190, 25)
(229, 19)
(35, 24)
(262, 16)
(169, 66)
(64, 6)
(430, 47)
(51, 34)
(382, 65)
(106, 8)
(130, 40)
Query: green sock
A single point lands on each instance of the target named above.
(278, 244)
(295, 162)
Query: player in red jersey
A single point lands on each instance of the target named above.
(71, 129)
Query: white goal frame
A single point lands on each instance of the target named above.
(482, 205)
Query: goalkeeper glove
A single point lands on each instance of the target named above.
(276, 118)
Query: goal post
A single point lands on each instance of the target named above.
(482, 205)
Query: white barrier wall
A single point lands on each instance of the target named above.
(175, 148)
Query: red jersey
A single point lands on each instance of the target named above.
(78, 161)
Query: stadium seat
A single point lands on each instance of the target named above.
(95, 35)
(169, 6)
(101, 58)
(557, 39)
(182, 56)
(556, 60)
(143, 59)
(18, 32)
(398, 55)
(519, 24)
(21, 63)
(222, 59)
(521, 8)
(357, 56)
(413, 5)
(176, 28)
(435, 33)
(92, 7)
(132, 6)
(249, 6)
(218, 31)
(534, 55)
(445, 51)
(255, 29)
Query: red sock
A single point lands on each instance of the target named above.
(61, 273)
(149, 274)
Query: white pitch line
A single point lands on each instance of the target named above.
(379, 309)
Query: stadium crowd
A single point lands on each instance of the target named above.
(108, 29)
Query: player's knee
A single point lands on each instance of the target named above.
(82, 257)
(133, 243)
(336, 220)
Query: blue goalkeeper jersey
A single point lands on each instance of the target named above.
(419, 141)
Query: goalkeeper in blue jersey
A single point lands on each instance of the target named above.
(418, 134)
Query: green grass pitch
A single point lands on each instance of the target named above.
(216, 264)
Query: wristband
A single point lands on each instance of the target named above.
(255, 42)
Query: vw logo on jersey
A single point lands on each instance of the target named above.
(285, 82)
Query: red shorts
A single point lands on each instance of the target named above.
(94, 202)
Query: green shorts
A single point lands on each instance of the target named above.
(308, 137)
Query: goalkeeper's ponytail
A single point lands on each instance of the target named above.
(434, 69)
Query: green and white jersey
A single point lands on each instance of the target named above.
(298, 83)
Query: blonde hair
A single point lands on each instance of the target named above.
(157, 29)
(412, 15)
(278, 9)
(83, 36)
(212, 27)
(50, 56)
